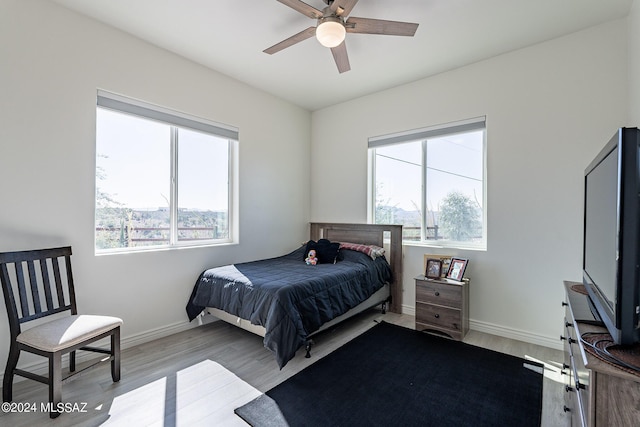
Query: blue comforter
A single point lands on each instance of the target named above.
(289, 298)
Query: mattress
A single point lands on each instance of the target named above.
(288, 298)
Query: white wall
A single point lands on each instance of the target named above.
(51, 63)
(549, 109)
(634, 65)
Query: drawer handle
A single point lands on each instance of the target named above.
(437, 293)
(566, 409)
(568, 389)
(571, 340)
(564, 304)
(437, 316)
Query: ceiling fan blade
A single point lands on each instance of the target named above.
(296, 38)
(303, 8)
(380, 26)
(343, 7)
(340, 56)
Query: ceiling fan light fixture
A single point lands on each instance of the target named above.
(330, 31)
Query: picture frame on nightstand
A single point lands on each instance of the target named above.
(433, 269)
(457, 268)
(446, 260)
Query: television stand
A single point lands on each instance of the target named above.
(597, 393)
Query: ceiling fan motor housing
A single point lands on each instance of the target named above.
(330, 31)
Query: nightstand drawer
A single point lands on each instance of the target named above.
(445, 317)
(439, 293)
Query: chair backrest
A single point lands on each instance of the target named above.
(36, 283)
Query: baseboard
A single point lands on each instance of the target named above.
(516, 334)
(409, 309)
(161, 332)
(503, 331)
(41, 367)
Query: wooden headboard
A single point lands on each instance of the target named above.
(369, 234)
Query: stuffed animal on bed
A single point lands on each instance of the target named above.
(311, 258)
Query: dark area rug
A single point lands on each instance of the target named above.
(392, 375)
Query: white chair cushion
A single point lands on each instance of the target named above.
(67, 331)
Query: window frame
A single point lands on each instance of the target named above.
(422, 135)
(176, 120)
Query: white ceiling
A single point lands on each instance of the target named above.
(230, 35)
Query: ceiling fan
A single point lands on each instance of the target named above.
(333, 25)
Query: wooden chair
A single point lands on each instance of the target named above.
(39, 283)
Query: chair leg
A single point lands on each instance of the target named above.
(72, 361)
(115, 353)
(7, 383)
(55, 382)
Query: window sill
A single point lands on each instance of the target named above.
(125, 251)
(426, 244)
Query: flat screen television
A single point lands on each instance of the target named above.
(611, 244)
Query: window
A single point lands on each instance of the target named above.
(163, 178)
(432, 181)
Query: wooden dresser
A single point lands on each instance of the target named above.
(596, 393)
(442, 306)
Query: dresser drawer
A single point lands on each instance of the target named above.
(445, 317)
(439, 293)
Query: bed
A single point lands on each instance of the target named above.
(287, 301)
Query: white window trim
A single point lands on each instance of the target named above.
(174, 118)
(449, 128)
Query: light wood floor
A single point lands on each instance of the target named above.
(160, 377)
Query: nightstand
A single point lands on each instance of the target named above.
(442, 306)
